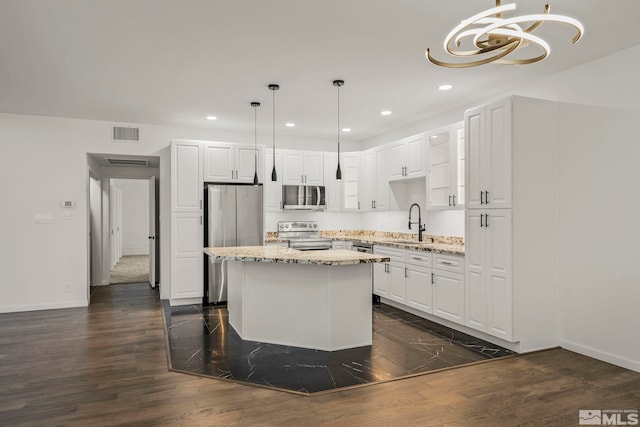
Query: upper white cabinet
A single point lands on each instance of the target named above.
(446, 167)
(302, 167)
(186, 176)
(228, 162)
(488, 136)
(272, 190)
(407, 158)
(374, 181)
(350, 165)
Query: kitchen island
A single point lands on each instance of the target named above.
(311, 299)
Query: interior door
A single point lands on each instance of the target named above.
(152, 231)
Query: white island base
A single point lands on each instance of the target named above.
(323, 307)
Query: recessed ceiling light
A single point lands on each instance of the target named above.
(346, 129)
(212, 118)
(385, 113)
(445, 87)
(290, 125)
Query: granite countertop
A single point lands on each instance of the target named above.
(436, 244)
(293, 256)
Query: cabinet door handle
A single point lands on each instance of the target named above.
(481, 218)
(454, 200)
(406, 272)
(481, 198)
(486, 220)
(486, 197)
(358, 204)
(200, 219)
(200, 204)
(432, 281)
(449, 199)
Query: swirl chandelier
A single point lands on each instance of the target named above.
(495, 37)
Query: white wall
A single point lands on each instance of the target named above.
(135, 215)
(599, 206)
(44, 162)
(599, 234)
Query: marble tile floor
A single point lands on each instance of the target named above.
(202, 342)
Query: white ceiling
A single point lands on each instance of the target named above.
(174, 62)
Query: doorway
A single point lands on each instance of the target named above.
(132, 230)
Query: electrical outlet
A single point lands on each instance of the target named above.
(67, 288)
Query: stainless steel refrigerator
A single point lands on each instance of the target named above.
(234, 218)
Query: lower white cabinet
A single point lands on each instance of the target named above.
(489, 300)
(433, 283)
(418, 281)
(385, 274)
(187, 258)
(448, 295)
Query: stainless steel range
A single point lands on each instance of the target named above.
(303, 235)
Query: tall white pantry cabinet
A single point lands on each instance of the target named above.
(511, 222)
(187, 229)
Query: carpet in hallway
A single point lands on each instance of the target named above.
(131, 269)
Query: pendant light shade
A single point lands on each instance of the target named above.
(255, 106)
(274, 174)
(338, 83)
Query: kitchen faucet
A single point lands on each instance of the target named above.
(421, 227)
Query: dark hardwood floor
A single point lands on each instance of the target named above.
(107, 365)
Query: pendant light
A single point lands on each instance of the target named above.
(338, 83)
(255, 106)
(274, 88)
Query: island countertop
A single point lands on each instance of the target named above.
(292, 256)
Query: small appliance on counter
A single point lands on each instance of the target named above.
(304, 197)
(233, 218)
(303, 235)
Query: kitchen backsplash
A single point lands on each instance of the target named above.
(438, 223)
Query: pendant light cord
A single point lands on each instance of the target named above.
(274, 126)
(338, 124)
(255, 138)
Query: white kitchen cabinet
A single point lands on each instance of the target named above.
(488, 137)
(333, 187)
(488, 272)
(272, 190)
(350, 164)
(446, 167)
(448, 295)
(187, 258)
(186, 176)
(302, 167)
(418, 281)
(407, 158)
(374, 181)
(229, 162)
(388, 277)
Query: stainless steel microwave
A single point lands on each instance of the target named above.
(307, 197)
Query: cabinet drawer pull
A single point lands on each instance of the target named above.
(445, 262)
